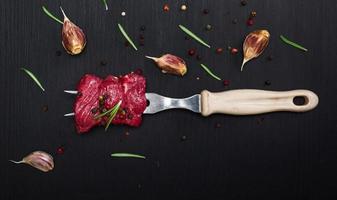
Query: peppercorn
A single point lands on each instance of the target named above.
(166, 8)
(270, 57)
(141, 36)
(60, 150)
(234, 51)
(198, 57)
(234, 21)
(243, 2)
(183, 138)
(253, 14)
(45, 108)
(208, 27)
(205, 11)
(94, 110)
(123, 14)
(100, 98)
(142, 27)
(250, 22)
(191, 52)
(183, 7)
(219, 50)
(104, 110)
(217, 125)
(130, 116)
(103, 63)
(226, 82)
(267, 83)
(58, 53)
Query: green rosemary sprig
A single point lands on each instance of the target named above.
(291, 43)
(127, 155)
(126, 36)
(113, 114)
(210, 72)
(32, 76)
(105, 4)
(51, 15)
(191, 34)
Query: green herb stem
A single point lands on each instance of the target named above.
(191, 34)
(291, 43)
(32, 76)
(127, 155)
(210, 72)
(51, 15)
(113, 114)
(105, 4)
(126, 36)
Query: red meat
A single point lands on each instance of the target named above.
(130, 89)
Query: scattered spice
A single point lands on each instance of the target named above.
(191, 52)
(123, 13)
(253, 14)
(293, 44)
(192, 35)
(205, 11)
(183, 7)
(183, 138)
(254, 45)
(267, 83)
(243, 2)
(198, 57)
(226, 82)
(103, 63)
(142, 27)
(45, 108)
(73, 38)
(234, 21)
(198, 78)
(32, 76)
(166, 8)
(250, 22)
(219, 50)
(208, 27)
(169, 63)
(126, 36)
(217, 125)
(60, 150)
(234, 51)
(38, 159)
(58, 53)
(270, 58)
(127, 155)
(210, 72)
(45, 10)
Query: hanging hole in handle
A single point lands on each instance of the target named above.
(300, 100)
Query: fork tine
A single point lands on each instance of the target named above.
(70, 91)
(69, 114)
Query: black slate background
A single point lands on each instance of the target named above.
(271, 156)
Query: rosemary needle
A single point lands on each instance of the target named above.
(126, 36)
(291, 43)
(51, 15)
(105, 4)
(127, 155)
(191, 34)
(32, 76)
(210, 72)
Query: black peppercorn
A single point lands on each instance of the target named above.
(205, 11)
(267, 83)
(208, 27)
(243, 2)
(142, 28)
(183, 138)
(45, 108)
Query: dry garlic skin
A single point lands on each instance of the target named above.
(73, 38)
(255, 43)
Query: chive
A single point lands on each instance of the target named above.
(210, 72)
(127, 155)
(105, 4)
(291, 43)
(113, 114)
(126, 36)
(31, 75)
(188, 32)
(51, 15)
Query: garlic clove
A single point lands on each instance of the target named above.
(171, 64)
(254, 45)
(73, 38)
(39, 160)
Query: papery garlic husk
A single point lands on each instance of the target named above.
(38, 159)
(171, 64)
(73, 38)
(254, 44)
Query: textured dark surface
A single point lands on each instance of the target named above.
(272, 156)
